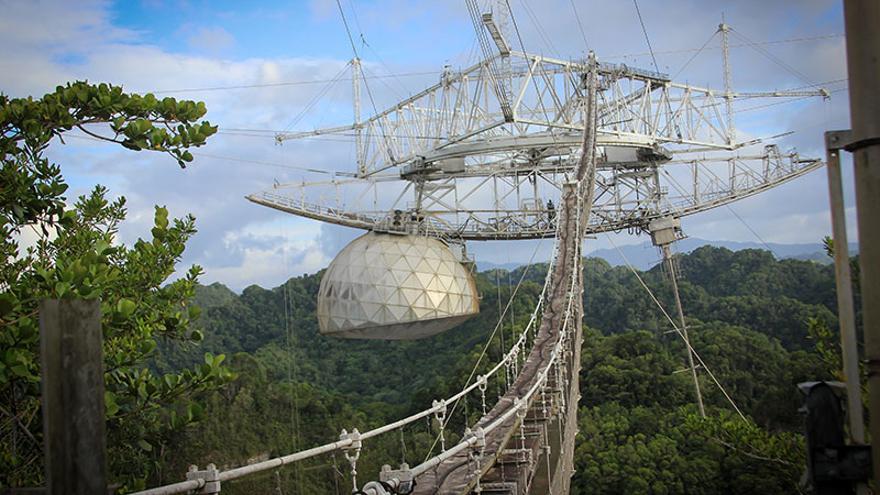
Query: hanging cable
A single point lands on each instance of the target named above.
(288, 83)
(366, 86)
(292, 372)
(675, 327)
(531, 75)
(647, 39)
(800, 75)
(397, 75)
(491, 337)
(501, 347)
(734, 45)
(749, 227)
(317, 97)
(347, 30)
(695, 55)
(548, 42)
(577, 17)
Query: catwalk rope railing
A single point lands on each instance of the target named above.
(353, 439)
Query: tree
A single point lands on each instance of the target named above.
(76, 256)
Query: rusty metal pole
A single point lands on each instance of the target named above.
(862, 17)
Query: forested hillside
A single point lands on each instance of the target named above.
(749, 316)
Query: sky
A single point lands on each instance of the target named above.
(203, 50)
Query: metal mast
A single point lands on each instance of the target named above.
(358, 128)
(724, 28)
(665, 231)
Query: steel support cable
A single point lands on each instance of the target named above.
(681, 191)
(435, 73)
(677, 330)
(242, 160)
(585, 174)
(483, 41)
(524, 402)
(522, 47)
(366, 86)
(695, 55)
(491, 66)
(580, 26)
(510, 355)
(315, 99)
(647, 39)
(287, 83)
(292, 369)
(347, 133)
(800, 75)
(737, 45)
(539, 28)
(792, 100)
(498, 297)
(755, 233)
(392, 89)
(185, 487)
(357, 23)
(347, 30)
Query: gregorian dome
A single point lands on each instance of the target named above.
(395, 287)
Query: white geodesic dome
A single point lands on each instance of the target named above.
(395, 287)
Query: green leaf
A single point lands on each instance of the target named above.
(161, 217)
(7, 303)
(101, 247)
(145, 445)
(125, 307)
(110, 406)
(61, 289)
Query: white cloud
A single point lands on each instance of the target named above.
(213, 40)
(239, 243)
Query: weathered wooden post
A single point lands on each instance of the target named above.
(73, 396)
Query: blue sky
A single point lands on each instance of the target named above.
(155, 45)
(243, 30)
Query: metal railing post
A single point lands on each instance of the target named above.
(210, 475)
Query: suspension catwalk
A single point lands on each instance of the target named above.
(515, 146)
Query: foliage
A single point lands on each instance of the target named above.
(75, 255)
(639, 428)
(663, 451)
(761, 324)
(745, 288)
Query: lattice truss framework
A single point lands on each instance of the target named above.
(478, 155)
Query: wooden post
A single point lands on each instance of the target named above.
(73, 396)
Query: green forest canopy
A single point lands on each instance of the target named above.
(639, 430)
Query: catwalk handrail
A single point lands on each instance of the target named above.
(519, 402)
(235, 473)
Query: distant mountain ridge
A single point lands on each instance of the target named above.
(644, 256)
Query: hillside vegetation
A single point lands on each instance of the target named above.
(750, 318)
